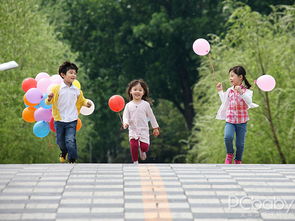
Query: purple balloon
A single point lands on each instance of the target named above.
(201, 47)
(42, 114)
(34, 95)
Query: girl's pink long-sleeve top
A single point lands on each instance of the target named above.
(137, 117)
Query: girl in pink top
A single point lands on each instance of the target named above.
(234, 110)
(136, 115)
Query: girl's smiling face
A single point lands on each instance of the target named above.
(235, 79)
(70, 76)
(137, 92)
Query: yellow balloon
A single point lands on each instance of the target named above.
(77, 84)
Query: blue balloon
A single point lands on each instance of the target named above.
(43, 104)
(37, 106)
(41, 129)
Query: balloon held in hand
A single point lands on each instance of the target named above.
(201, 47)
(116, 103)
(266, 82)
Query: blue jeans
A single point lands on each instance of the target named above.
(66, 138)
(229, 132)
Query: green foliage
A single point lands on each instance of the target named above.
(27, 38)
(263, 45)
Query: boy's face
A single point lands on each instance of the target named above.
(70, 76)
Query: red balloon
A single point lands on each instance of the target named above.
(116, 103)
(51, 125)
(29, 83)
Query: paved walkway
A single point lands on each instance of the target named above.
(147, 192)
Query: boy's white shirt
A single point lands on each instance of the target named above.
(67, 102)
(137, 117)
(246, 96)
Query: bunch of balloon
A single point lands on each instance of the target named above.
(36, 110)
(36, 91)
(116, 104)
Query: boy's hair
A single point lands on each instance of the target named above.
(67, 66)
(239, 70)
(143, 85)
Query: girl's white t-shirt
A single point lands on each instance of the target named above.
(137, 115)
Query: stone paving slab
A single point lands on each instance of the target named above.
(181, 192)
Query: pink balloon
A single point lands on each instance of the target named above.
(34, 95)
(266, 82)
(43, 114)
(41, 75)
(43, 84)
(56, 79)
(201, 47)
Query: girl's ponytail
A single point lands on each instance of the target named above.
(248, 85)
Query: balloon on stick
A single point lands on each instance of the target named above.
(41, 129)
(28, 114)
(77, 84)
(41, 75)
(116, 103)
(29, 83)
(51, 125)
(266, 82)
(79, 124)
(34, 95)
(201, 46)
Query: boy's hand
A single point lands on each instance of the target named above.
(125, 126)
(50, 96)
(219, 86)
(89, 104)
(156, 132)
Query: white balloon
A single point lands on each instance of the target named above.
(87, 111)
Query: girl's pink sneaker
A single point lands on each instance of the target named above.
(238, 162)
(229, 158)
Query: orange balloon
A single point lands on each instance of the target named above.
(27, 102)
(79, 124)
(28, 114)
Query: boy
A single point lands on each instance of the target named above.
(66, 100)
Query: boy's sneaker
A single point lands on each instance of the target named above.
(238, 162)
(142, 155)
(62, 158)
(72, 161)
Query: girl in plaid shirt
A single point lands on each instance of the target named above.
(234, 110)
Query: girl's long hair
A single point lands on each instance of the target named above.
(239, 70)
(143, 85)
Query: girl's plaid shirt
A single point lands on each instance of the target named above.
(237, 112)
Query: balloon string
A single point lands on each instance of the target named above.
(120, 117)
(212, 67)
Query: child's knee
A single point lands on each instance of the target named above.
(144, 147)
